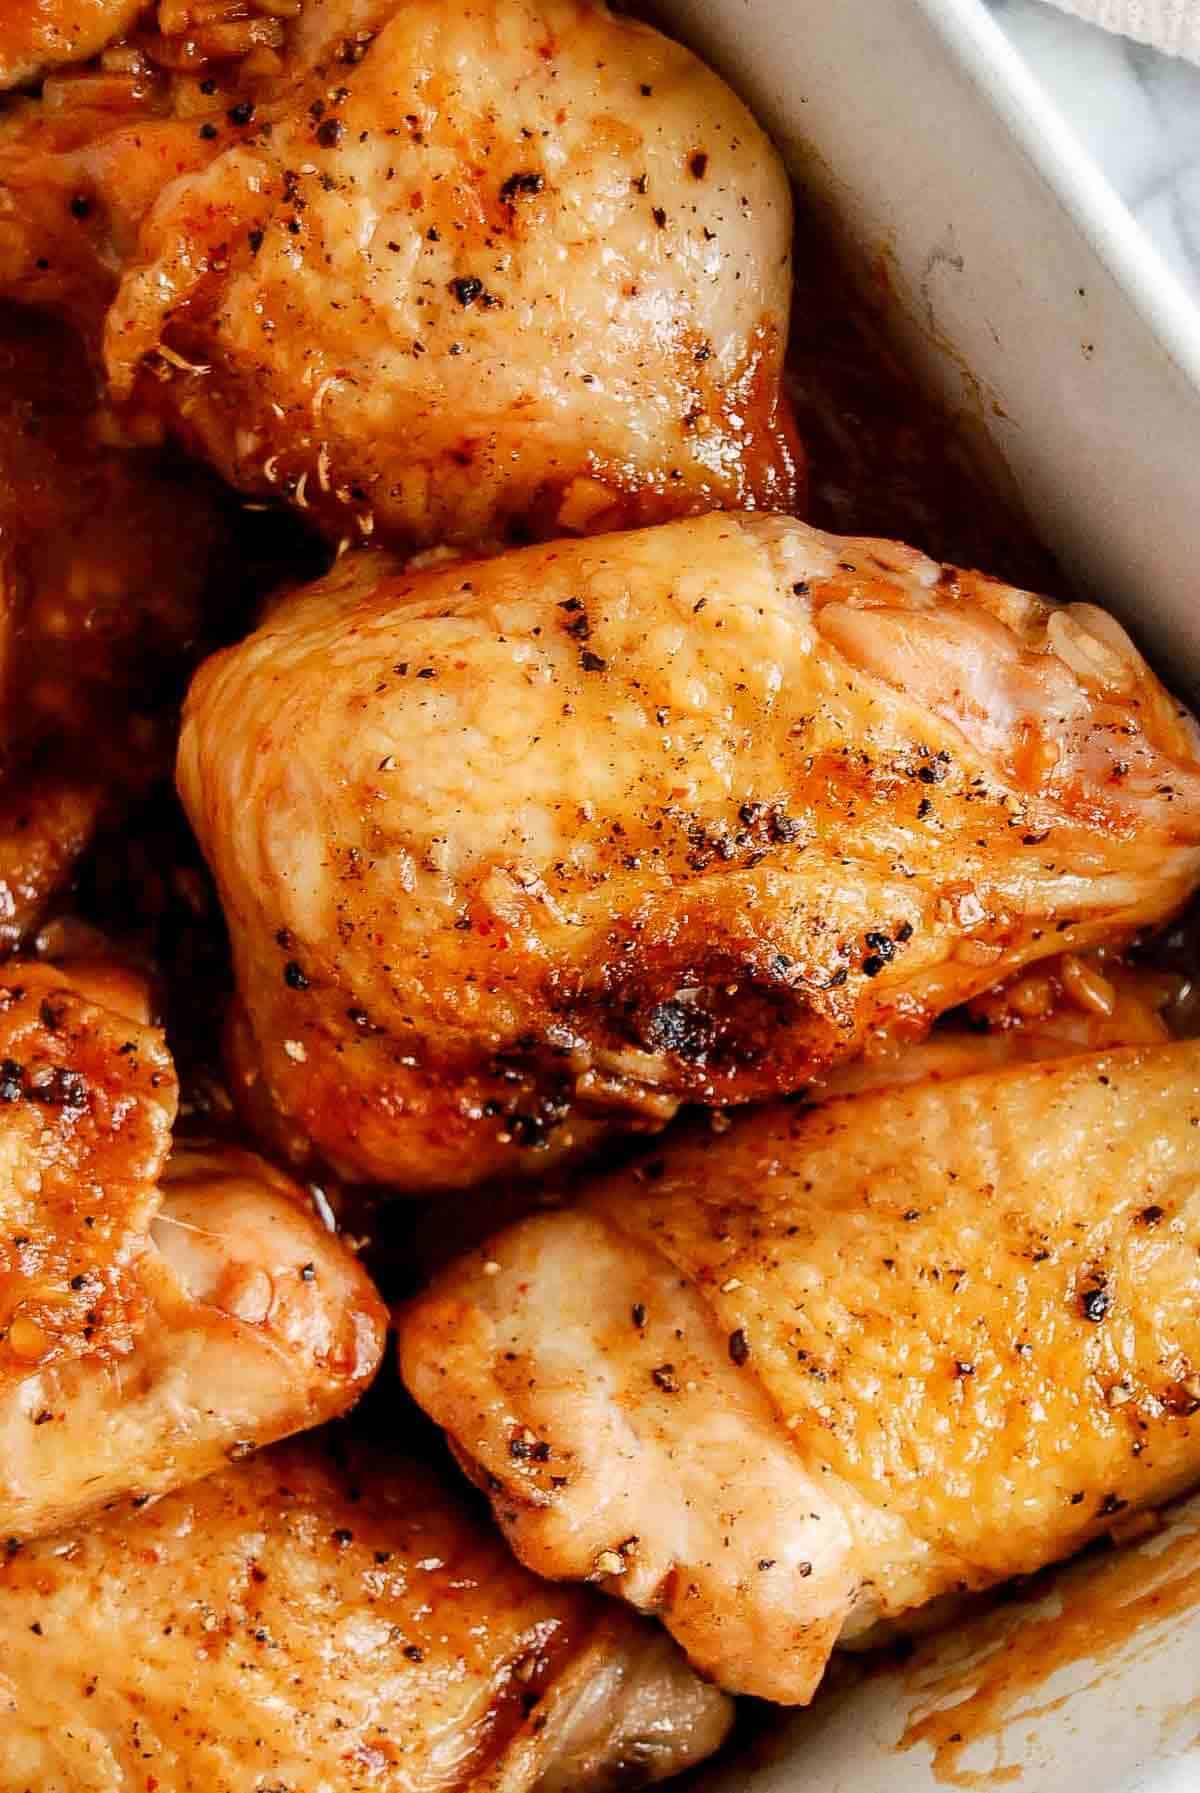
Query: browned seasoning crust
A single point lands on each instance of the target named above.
(87, 1099)
(516, 850)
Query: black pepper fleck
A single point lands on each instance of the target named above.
(527, 181)
(1094, 1303)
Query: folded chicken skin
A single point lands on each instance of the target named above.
(322, 1618)
(155, 1318)
(1072, 1003)
(514, 851)
(454, 271)
(779, 1382)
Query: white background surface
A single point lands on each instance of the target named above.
(1136, 112)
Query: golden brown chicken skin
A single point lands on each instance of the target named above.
(518, 265)
(827, 1366)
(104, 558)
(318, 1619)
(517, 850)
(155, 1318)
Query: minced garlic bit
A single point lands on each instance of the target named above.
(174, 359)
(609, 1562)
(295, 1051)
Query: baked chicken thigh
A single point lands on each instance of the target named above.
(146, 1332)
(514, 850)
(311, 1621)
(827, 1366)
(456, 270)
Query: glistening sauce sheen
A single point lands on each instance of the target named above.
(968, 1695)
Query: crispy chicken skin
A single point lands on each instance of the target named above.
(513, 849)
(313, 1620)
(153, 1318)
(104, 555)
(517, 264)
(828, 1366)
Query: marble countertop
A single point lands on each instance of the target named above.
(1137, 112)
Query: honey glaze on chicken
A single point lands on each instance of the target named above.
(516, 850)
(468, 940)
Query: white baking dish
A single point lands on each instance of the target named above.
(1031, 299)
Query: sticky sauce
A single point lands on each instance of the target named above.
(967, 1696)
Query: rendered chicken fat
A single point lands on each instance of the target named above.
(153, 1318)
(344, 1610)
(518, 850)
(35, 34)
(829, 1366)
(104, 556)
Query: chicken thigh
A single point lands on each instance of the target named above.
(828, 1366)
(145, 1334)
(317, 1619)
(515, 850)
(104, 557)
(458, 271)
